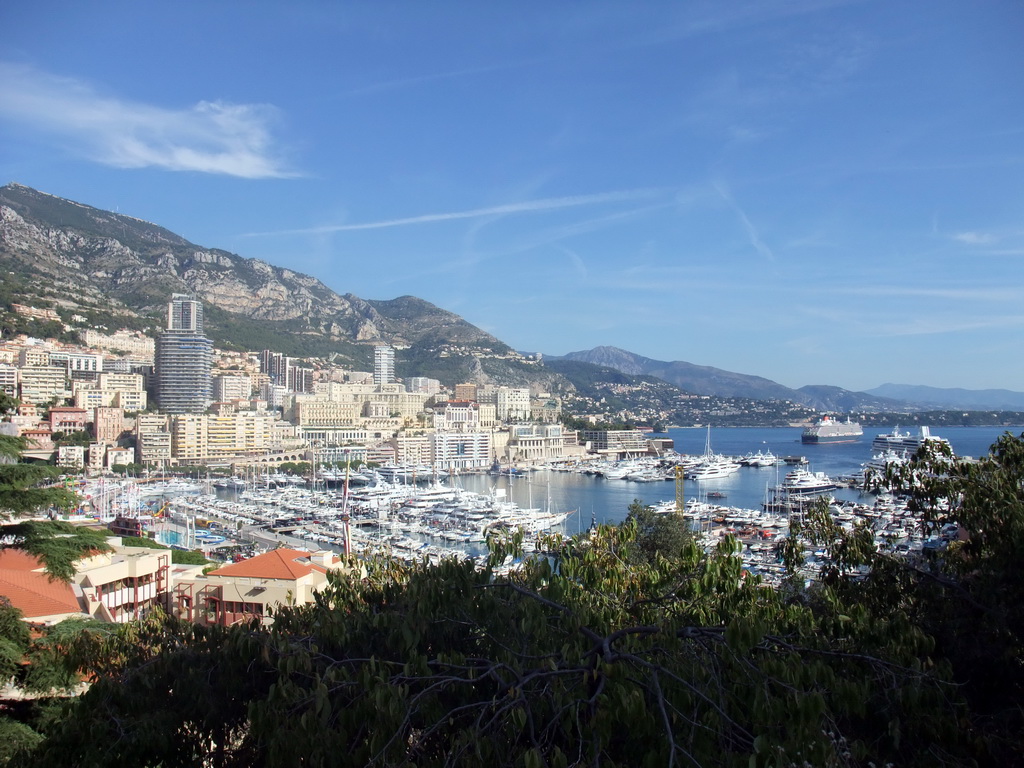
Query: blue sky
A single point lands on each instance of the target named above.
(814, 192)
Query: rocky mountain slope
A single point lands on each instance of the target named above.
(86, 257)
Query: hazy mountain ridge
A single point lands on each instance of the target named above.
(698, 379)
(986, 399)
(715, 381)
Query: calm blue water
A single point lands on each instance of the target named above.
(608, 500)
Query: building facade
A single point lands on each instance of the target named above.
(383, 365)
(184, 359)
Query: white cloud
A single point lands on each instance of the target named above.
(528, 206)
(209, 137)
(974, 238)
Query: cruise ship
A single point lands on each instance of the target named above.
(906, 442)
(828, 430)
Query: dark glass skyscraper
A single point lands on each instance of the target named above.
(184, 357)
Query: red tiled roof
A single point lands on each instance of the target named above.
(18, 560)
(282, 563)
(31, 591)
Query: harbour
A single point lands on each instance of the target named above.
(454, 515)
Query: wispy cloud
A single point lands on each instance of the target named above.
(975, 238)
(208, 137)
(1006, 293)
(752, 234)
(931, 327)
(528, 206)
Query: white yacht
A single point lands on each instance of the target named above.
(712, 465)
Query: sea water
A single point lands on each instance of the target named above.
(607, 501)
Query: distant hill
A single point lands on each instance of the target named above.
(827, 398)
(967, 399)
(698, 379)
(705, 380)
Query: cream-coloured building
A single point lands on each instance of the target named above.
(124, 584)
(71, 457)
(124, 341)
(42, 383)
(412, 449)
(33, 357)
(251, 588)
(541, 443)
(198, 437)
(189, 437)
(512, 404)
(112, 390)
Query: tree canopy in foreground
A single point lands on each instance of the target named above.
(598, 655)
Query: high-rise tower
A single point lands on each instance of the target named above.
(383, 365)
(184, 357)
(184, 313)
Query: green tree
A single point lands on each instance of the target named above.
(665, 535)
(606, 659)
(963, 591)
(38, 666)
(28, 490)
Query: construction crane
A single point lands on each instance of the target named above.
(680, 493)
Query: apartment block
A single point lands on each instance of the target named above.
(229, 387)
(107, 424)
(9, 379)
(42, 383)
(461, 450)
(68, 419)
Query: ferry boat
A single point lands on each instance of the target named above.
(828, 430)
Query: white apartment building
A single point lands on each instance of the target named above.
(96, 457)
(77, 362)
(423, 385)
(461, 450)
(152, 439)
(383, 365)
(512, 404)
(228, 387)
(9, 379)
(457, 416)
(71, 457)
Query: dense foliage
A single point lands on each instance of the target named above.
(628, 646)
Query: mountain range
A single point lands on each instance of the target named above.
(113, 271)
